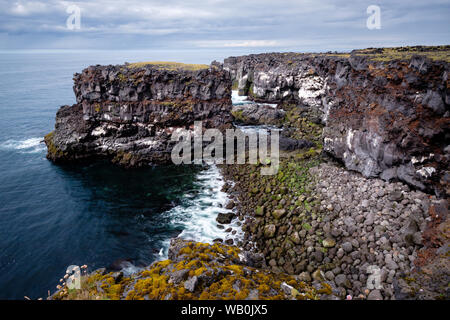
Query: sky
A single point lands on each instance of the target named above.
(243, 26)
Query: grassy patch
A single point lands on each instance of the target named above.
(439, 53)
(337, 54)
(168, 65)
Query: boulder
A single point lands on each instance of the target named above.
(279, 213)
(257, 114)
(225, 218)
(269, 230)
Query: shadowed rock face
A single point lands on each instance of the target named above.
(383, 119)
(128, 114)
(255, 114)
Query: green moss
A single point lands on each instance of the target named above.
(238, 115)
(177, 104)
(250, 90)
(53, 151)
(300, 119)
(306, 226)
(259, 211)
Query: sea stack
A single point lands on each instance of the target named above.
(127, 113)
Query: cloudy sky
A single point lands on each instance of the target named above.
(243, 25)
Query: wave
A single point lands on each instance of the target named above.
(31, 145)
(260, 129)
(236, 99)
(197, 215)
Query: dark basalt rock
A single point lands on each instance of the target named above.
(120, 264)
(384, 119)
(257, 114)
(127, 115)
(290, 144)
(225, 218)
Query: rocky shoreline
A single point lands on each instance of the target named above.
(344, 233)
(343, 228)
(195, 271)
(358, 208)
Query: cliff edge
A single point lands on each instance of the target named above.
(386, 112)
(127, 113)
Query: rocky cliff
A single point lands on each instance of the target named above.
(313, 230)
(127, 113)
(386, 112)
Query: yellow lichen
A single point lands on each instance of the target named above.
(229, 280)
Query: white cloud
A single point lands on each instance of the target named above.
(237, 43)
(280, 24)
(27, 8)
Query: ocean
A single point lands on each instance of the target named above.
(53, 216)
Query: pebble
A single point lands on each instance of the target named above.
(357, 223)
(347, 246)
(375, 295)
(329, 243)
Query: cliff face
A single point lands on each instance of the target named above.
(330, 227)
(387, 119)
(127, 113)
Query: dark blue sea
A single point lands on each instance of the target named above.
(53, 216)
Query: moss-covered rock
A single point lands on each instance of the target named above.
(194, 271)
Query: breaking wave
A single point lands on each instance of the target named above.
(197, 215)
(31, 145)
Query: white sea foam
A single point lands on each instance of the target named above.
(260, 129)
(238, 100)
(197, 215)
(31, 145)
